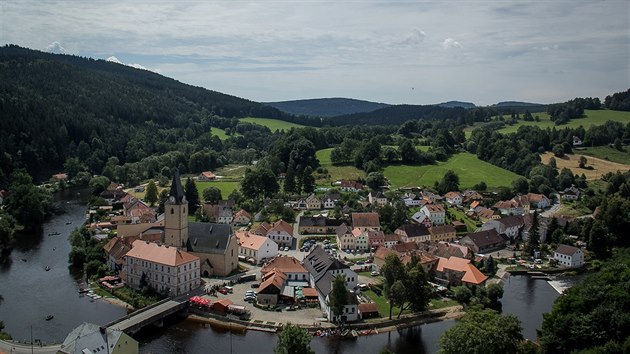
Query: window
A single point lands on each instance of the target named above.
(172, 211)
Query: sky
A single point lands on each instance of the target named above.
(414, 52)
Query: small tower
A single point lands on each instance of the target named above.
(176, 215)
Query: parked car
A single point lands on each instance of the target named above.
(223, 291)
(375, 273)
(250, 292)
(249, 298)
(255, 285)
(360, 263)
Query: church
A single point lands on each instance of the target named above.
(214, 244)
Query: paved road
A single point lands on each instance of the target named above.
(11, 347)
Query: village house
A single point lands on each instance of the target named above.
(435, 212)
(446, 249)
(469, 196)
(206, 176)
(377, 198)
(569, 256)
(345, 238)
(280, 231)
(366, 221)
(115, 250)
(271, 288)
(442, 233)
(330, 200)
(221, 213)
(391, 240)
(164, 268)
(456, 271)
(485, 214)
(242, 218)
(289, 266)
(92, 338)
(411, 200)
(255, 246)
(422, 219)
(510, 207)
(350, 186)
(413, 232)
(484, 241)
(323, 270)
(539, 201)
(453, 198)
(509, 226)
(360, 239)
(405, 251)
(376, 239)
(313, 203)
(571, 193)
(320, 225)
(543, 227)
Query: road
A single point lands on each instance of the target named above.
(11, 347)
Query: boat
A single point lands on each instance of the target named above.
(47, 268)
(23, 259)
(83, 290)
(354, 333)
(49, 317)
(68, 222)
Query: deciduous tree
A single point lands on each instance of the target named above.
(293, 340)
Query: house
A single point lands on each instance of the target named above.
(376, 239)
(62, 176)
(318, 225)
(456, 271)
(569, 256)
(446, 249)
(510, 226)
(368, 310)
(242, 218)
(92, 338)
(435, 212)
(280, 231)
(220, 213)
(366, 221)
(289, 266)
(510, 207)
(206, 176)
(539, 201)
(411, 200)
(215, 245)
(484, 241)
(350, 312)
(391, 240)
(115, 195)
(350, 186)
(165, 269)
(323, 270)
(377, 198)
(345, 238)
(543, 227)
(330, 200)
(115, 250)
(405, 251)
(256, 246)
(453, 198)
(571, 193)
(360, 239)
(485, 214)
(271, 288)
(413, 232)
(469, 195)
(422, 219)
(313, 203)
(577, 141)
(442, 233)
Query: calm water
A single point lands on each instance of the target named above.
(31, 293)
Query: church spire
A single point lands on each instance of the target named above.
(177, 192)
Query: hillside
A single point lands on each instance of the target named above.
(453, 104)
(394, 115)
(50, 103)
(326, 107)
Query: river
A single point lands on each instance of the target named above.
(31, 293)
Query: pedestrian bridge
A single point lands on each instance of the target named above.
(153, 314)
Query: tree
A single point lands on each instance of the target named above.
(582, 161)
(98, 184)
(308, 181)
(490, 267)
(392, 270)
(494, 292)
(483, 331)
(534, 236)
(212, 195)
(289, 180)
(375, 180)
(617, 144)
(151, 195)
(293, 340)
(520, 185)
(408, 152)
(449, 182)
(163, 197)
(558, 150)
(552, 162)
(462, 294)
(599, 242)
(418, 291)
(339, 296)
(27, 203)
(261, 183)
(398, 295)
(192, 195)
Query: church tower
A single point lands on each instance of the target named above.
(176, 215)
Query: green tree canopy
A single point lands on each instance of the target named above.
(192, 195)
(293, 340)
(339, 295)
(449, 182)
(212, 195)
(151, 195)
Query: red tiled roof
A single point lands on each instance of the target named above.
(282, 225)
(368, 307)
(250, 241)
(284, 264)
(242, 213)
(472, 275)
(161, 254)
(365, 220)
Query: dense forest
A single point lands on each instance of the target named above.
(326, 107)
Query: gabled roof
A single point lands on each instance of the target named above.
(451, 195)
(567, 250)
(262, 229)
(273, 283)
(312, 198)
(161, 254)
(512, 221)
(282, 225)
(485, 213)
(443, 229)
(392, 237)
(93, 338)
(377, 194)
(116, 248)
(177, 191)
(343, 229)
(284, 264)
(434, 208)
(208, 237)
(318, 263)
(414, 230)
(368, 307)
(312, 221)
(208, 174)
(365, 220)
(376, 235)
(242, 213)
(486, 238)
(357, 232)
(472, 275)
(251, 241)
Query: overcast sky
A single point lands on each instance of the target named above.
(413, 52)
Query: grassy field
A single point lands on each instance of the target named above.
(220, 133)
(226, 187)
(468, 167)
(607, 153)
(273, 124)
(593, 117)
(599, 167)
(336, 172)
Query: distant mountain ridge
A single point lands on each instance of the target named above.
(453, 104)
(326, 107)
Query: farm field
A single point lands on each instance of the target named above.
(226, 187)
(593, 117)
(273, 124)
(600, 167)
(607, 153)
(336, 172)
(468, 167)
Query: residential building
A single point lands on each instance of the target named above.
(510, 226)
(442, 233)
(405, 251)
(289, 266)
(446, 249)
(281, 232)
(485, 214)
(164, 268)
(320, 225)
(350, 312)
(345, 238)
(411, 200)
(255, 246)
(421, 218)
(484, 241)
(92, 338)
(220, 213)
(360, 239)
(376, 239)
(413, 232)
(435, 212)
(569, 256)
(456, 271)
(391, 240)
(539, 201)
(206, 176)
(242, 218)
(271, 288)
(366, 221)
(377, 198)
(350, 186)
(115, 250)
(453, 198)
(330, 201)
(510, 207)
(313, 203)
(571, 193)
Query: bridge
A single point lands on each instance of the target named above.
(153, 314)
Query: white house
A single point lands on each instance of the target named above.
(164, 268)
(453, 198)
(435, 212)
(281, 232)
(377, 198)
(328, 202)
(509, 225)
(361, 239)
(569, 256)
(256, 246)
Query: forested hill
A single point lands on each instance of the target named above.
(395, 115)
(49, 103)
(327, 107)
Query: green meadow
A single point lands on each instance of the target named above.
(607, 153)
(468, 167)
(220, 133)
(592, 117)
(226, 187)
(336, 172)
(273, 124)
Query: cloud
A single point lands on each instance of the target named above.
(113, 59)
(450, 43)
(138, 66)
(416, 37)
(56, 48)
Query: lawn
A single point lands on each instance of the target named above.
(336, 172)
(468, 167)
(471, 225)
(607, 153)
(220, 133)
(273, 124)
(226, 187)
(593, 117)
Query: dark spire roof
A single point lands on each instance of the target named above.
(176, 188)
